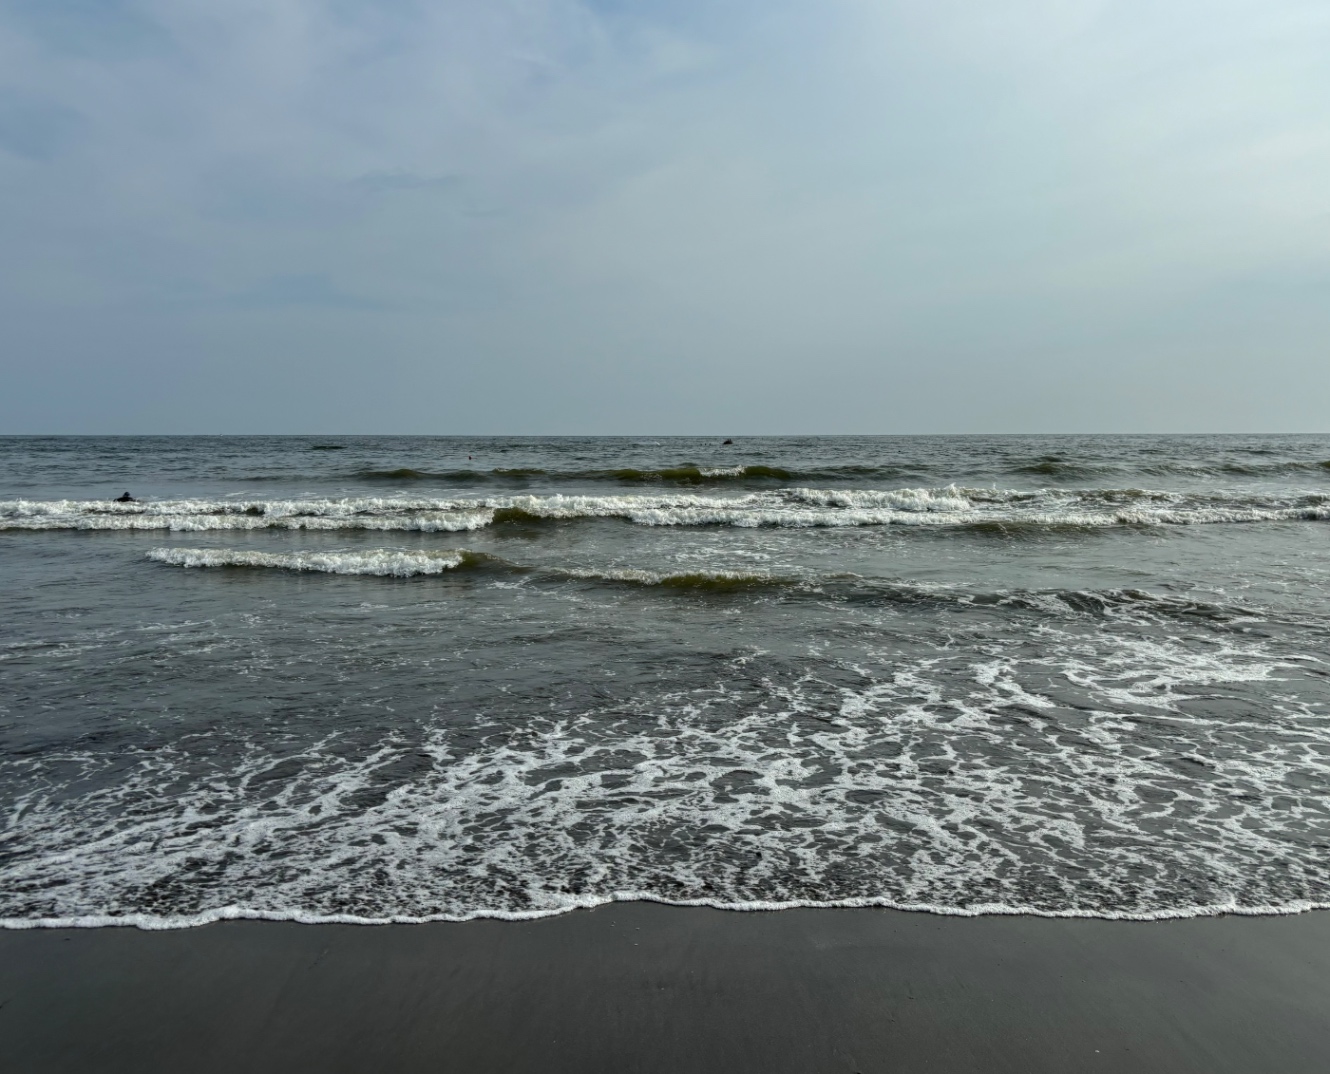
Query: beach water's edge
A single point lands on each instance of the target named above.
(649, 987)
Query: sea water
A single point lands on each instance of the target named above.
(375, 679)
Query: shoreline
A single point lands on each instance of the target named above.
(154, 923)
(643, 986)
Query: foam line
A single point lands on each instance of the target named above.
(790, 508)
(382, 562)
(154, 923)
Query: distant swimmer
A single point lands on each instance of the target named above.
(126, 498)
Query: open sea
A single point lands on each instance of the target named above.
(402, 678)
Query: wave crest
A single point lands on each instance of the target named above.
(380, 562)
(850, 588)
(1005, 510)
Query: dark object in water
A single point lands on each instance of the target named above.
(723, 443)
(126, 498)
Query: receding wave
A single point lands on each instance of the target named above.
(1002, 510)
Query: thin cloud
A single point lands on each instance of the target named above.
(600, 216)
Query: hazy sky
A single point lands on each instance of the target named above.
(667, 216)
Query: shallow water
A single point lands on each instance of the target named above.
(399, 678)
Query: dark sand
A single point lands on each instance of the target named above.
(637, 987)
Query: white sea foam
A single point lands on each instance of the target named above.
(542, 735)
(399, 563)
(793, 507)
(364, 513)
(383, 562)
(954, 782)
(166, 922)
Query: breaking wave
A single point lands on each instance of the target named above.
(402, 563)
(1135, 604)
(364, 513)
(372, 679)
(790, 508)
(380, 562)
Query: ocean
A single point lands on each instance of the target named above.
(376, 679)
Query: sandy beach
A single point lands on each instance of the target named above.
(641, 987)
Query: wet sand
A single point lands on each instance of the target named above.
(638, 987)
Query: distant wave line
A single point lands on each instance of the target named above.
(1004, 510)
(763, 474)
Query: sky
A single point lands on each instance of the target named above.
(670, 216)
